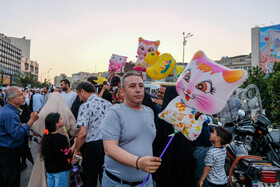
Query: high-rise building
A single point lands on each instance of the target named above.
(10, 61)
(26, 65)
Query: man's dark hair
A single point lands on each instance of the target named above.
(128, 74)
(224, 134)
(46, 87)
(66, 81)
(92, 79)
(85, 85)
(25, 89)
(0, 90)
(115, 81)
(165, 86)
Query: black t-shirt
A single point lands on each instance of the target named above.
(59, 154)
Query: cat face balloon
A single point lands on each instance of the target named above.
(116, 62)
(206, 85)
(146, 47)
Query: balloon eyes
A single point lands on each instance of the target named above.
(150, 50)
(142, 48)
(204, 86)
(188, 77)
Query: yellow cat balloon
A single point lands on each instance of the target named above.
(161, 66)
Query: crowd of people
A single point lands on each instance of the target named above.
(112, 129)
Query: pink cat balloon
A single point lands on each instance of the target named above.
(116, 62)
(144, 48)
(206, 85)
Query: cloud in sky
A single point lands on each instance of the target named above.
(71, 36)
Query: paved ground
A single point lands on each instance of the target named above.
(25, 174)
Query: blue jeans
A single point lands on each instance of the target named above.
(107, 182)
(199, 154)
(58, 179)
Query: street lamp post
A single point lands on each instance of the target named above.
(184, 43)
(49, 74)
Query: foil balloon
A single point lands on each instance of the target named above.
(162, 65)
(144, 48)
(179, 70)
(183, 119)
(100, 79)
(204, 86)
(116, 62)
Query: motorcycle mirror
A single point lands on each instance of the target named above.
(241, 113)
(269, 129)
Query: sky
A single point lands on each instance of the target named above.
(69, 36)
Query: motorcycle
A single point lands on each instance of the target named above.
(243, 168)
(256, 138)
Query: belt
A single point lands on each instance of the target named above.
(115, 178)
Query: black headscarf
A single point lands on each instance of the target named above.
(177, 167)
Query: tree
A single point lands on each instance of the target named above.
(269, 89)
(22, 80)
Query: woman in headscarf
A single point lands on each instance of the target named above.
(55, 103)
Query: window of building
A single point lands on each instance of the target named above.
(26, 66)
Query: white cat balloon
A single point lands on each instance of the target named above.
(204, 86)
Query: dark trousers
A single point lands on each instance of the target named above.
(9, 167)
(93, 160)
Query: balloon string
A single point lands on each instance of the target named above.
(160, 156)
(175, 77)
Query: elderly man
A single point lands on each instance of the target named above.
(91, 114)
(12, 134)
(128, 131)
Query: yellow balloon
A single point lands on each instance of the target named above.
(152, 58)
(179, 69)
(162, 67)
(100, 79)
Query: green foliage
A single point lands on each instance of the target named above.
(269, 87)
(22, 80)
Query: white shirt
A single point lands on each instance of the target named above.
(91, 114)
(69, 98)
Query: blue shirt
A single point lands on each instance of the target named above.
(37, 102)
(12, 132)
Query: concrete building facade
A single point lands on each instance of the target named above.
(10, 61)
(236, 62)
(29, 66)
(57, 79)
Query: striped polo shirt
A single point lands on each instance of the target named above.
(215, 158)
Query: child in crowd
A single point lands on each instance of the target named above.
(215, 159)
(56, 152)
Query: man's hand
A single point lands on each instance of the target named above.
(33, 117)
(149, 164)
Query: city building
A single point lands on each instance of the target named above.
(26, 65)
(10, 61)
(236, 62)
(22, 43)
(29, 66)
(77, 77)
(265, 47)
(57, 79)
